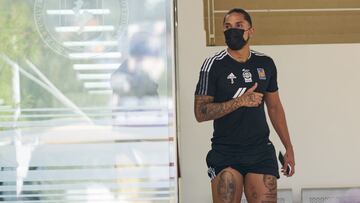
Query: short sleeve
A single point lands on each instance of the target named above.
(273, 85)
(207, 82)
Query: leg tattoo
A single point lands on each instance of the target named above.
(254, 195)
(226, 187)
(270, 183)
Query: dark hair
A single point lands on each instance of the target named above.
(240, 11)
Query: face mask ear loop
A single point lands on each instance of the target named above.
(248, 29)
(248, 35)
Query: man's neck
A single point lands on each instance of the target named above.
(241, 55)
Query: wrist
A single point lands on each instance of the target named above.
(289, 148)
(239, 102)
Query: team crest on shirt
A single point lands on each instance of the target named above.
(231, 77)
(247, 75)
(261, 72)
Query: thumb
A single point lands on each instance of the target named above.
(252, 89)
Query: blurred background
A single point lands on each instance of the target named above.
(87, 103)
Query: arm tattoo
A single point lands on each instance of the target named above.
(206, 109)
(226, 187)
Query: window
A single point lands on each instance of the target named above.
(87, 103)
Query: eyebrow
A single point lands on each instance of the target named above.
(241, 21)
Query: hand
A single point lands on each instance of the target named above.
(289, 159)
(251, 98)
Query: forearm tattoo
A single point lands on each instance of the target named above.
(205, 109)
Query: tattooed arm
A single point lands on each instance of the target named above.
(206, 109)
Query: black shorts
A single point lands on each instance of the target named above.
(264, 162)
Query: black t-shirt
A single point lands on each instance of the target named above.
(225, 78)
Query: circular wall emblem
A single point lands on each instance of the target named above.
(81, 26)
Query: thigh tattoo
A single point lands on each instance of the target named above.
(226, 187)
(270, 183)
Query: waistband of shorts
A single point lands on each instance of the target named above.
(239, 148)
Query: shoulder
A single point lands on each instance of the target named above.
(211, 61)
(263, 58)
(219, 55)
(260, 55)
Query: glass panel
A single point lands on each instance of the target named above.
(87, 101)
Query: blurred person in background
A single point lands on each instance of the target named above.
(132, 81)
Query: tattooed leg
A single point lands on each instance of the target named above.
(270, 183)
(260, 188)
(227, 186)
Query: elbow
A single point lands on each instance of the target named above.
(199, 119)
(271, 110)
(276, 109)
(200, 113)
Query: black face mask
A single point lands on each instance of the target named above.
(234, 38)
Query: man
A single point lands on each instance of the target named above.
(131, 81)
(232, 89)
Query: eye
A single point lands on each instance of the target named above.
(227, 27)
(238, 25)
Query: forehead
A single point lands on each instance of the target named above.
(234, 18)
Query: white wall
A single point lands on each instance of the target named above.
(319, 90)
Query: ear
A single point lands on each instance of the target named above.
(252, 31)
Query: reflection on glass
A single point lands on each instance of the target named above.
(86, 101)
(134, 82)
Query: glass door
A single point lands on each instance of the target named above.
(87, 101)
